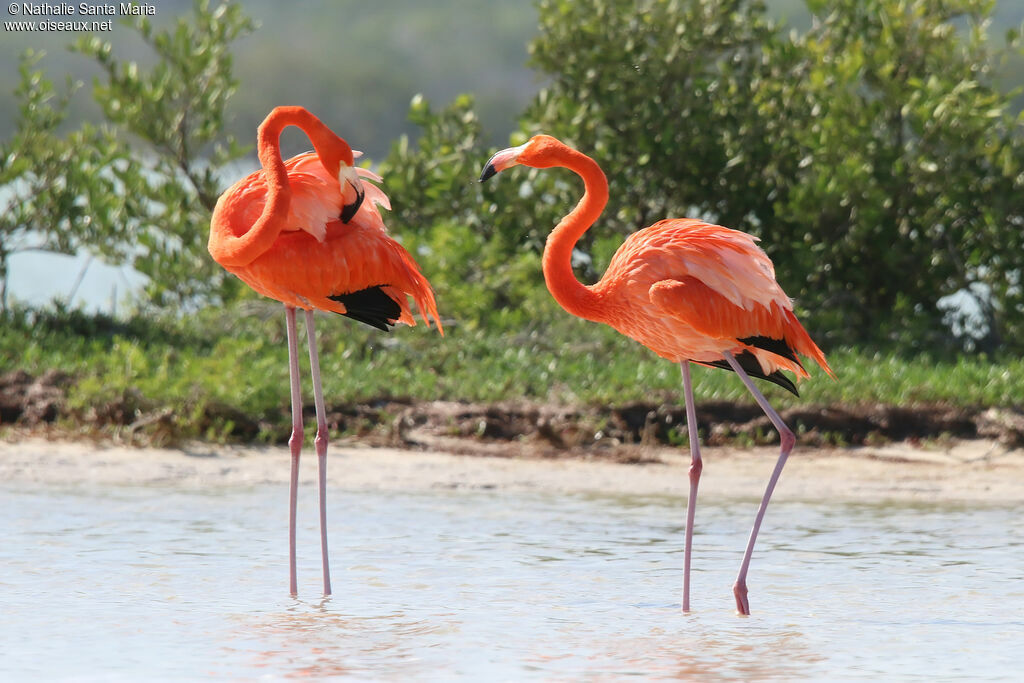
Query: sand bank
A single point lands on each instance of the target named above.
(969, 471)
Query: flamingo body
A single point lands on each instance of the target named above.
(691, 292)
(316, 256)
(307, 232)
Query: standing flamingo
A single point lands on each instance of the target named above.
(689, 291)
(299, 231)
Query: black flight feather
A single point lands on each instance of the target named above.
(749, 363)
(777, 346)
(370, 306)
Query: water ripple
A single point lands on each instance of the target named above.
(120, 583)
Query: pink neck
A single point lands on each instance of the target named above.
(569, 292)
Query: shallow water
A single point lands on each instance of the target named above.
(175, 582)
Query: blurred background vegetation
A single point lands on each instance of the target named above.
(875, 146)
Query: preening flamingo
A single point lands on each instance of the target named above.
(689, 291)
(299, 231)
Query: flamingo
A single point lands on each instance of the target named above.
(299, 231)
(691, 292)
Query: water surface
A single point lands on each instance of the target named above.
(121, 582)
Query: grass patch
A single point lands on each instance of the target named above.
(200, 373)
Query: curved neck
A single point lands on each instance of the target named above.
(570, 293)
(230, 249)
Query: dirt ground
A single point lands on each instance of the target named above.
(35, 403)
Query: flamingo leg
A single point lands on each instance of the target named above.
(696, 465)
(787, 440)
(294, 442)
(321, 444)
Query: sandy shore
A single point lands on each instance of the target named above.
(971, 471)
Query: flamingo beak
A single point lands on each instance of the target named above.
(501, 160)
(351, 189)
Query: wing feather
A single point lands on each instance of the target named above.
(727, 261)
(719, 287)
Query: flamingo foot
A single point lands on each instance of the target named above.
(740, 591)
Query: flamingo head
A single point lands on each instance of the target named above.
(540, 151)
(339, 161)
(352, 192)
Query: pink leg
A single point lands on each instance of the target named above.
(294, 442)
(321, 444)
(786, 440)
(696, 465)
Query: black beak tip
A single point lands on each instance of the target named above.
(348, 211)
(488, 172)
